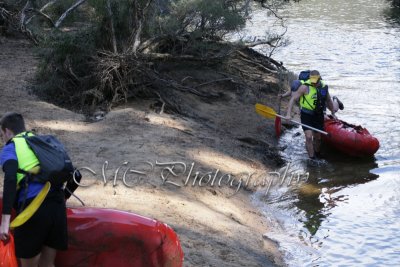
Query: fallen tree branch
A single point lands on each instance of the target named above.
(215, 81)
(261, 43)
(163, 104)
(42, 10)
(174, 84)
(69, 10)
(48, 4)
(279, 65)
(11, 19)
(270, 6)
(67, 66)
(47, 17)
(161, 56)
(269, 62)
(5, 14)
(31, 36)
(279, 41)
(265, 67)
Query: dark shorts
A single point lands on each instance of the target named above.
(316, 121)
(47, 227)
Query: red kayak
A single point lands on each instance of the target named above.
(350, 139)
(105, 237)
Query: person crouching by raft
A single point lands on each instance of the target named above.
(314, 97)
(39, 238)
(337, 104)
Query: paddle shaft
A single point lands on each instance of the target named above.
(305, 125)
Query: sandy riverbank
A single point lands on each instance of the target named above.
(216, 227)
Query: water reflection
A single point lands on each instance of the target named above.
(308, 201)
(316, 197)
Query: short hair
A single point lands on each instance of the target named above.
(314, 73)
(13, 121)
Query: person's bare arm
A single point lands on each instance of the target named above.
(288, 93)
(5, 226)
(295, 96)
(329, 103)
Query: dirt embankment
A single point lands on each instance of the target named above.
(215, 136)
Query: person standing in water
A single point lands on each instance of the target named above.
(313, 96)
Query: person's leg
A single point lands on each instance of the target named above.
(307, 119)
(309, 143)
(318, 123)
(31, 262)
(317, 143)
(29, 238)
(47, 257)
(57, 234)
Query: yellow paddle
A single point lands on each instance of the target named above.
(269, 113)
(32, 207)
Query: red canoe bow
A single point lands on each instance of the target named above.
(350, 139)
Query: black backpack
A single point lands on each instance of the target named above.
(304, 75)
(55, 164)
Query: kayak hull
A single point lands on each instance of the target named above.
(105, 237)
(349, 139)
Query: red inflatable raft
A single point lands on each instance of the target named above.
(104, 237)
(350, 139)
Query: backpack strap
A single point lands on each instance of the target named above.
(22, 171)
(304, 98)
(23, 134)
(25, 183)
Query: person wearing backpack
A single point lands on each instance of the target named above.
(337, 104)
(313, 96)
(38, 239)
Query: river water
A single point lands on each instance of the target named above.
(348, 211)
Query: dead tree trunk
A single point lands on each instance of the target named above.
(110, 15)
(29, 5)
(137, 25)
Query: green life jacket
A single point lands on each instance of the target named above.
(27, 160)
(308, 102)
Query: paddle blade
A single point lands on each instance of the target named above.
(27, 213)
(278, 124)
(265, 111)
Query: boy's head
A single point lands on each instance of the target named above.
(11, 124)
(315, 77)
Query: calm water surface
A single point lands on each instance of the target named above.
(348, 212)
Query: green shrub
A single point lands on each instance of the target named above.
(199, 18)
(65, 68)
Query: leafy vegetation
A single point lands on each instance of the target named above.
(105, 51)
